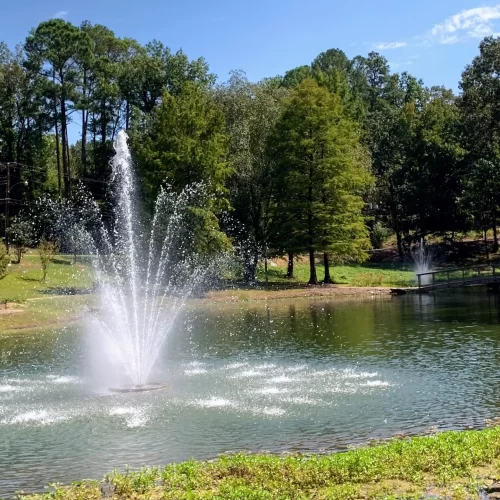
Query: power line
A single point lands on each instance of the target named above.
(11, 201)
(31, 167)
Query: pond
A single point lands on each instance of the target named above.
(307, 375)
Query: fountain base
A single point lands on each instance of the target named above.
(139, 388)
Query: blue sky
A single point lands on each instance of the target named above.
(432, 39)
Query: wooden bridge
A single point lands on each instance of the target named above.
(456, 277)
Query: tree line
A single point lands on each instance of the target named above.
(322, 159)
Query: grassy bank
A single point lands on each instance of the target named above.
(24, 280)
(447, 465)
(369, 274)
(43, 312)
(26, 302)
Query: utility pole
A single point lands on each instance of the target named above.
(7, 206)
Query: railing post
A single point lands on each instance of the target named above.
(419, 280)
(433, 281)
(463, 276)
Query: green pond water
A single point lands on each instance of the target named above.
(310, 376)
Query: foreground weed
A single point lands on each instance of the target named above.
(400, 468)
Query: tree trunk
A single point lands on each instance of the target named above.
(85, 117)
(495, 239)
(486, 244)
(10, 138)
(250, 270)
(115, 126)
(103, 134)
(68, 161)
(59, 182)
(84, 143)
(313, 278)
(127, 115)
(255, 263)
(64, 141)
(94, 140)
(400, 245)
(289, 271)
(326, 261)
(58, 155)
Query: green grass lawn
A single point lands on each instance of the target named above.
(24, 280)
(450, 465)
(44, 312)
(392, 274)
(65, 291)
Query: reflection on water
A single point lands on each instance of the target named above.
(307, 375)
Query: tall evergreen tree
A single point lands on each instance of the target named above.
(185, 144)
(322, 169)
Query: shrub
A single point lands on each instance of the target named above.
(368, 279)
(4, 261)
(379, 235)
(46, 250)
(20, 237)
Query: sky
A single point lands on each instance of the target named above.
(431, 39)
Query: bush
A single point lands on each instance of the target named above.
(379, 234)
(20, 237)
(4, 261)
(46, 250)
(368, 279)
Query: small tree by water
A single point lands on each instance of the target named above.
(4, 261)
(46, 250)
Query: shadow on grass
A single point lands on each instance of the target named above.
(71, 261)
(63, 290)
(63, 262)
(26, 278)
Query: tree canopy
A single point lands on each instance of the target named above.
(305, 162)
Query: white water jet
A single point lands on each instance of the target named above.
(422, 262)
(144, 275)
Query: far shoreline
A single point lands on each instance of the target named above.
(61, 310)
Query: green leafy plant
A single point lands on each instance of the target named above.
(20, 237)
(4, 261)
(46, 250)
(379, 235)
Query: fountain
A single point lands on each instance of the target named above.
(144, 276)
(422, 262)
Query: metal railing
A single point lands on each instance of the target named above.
(459, 276)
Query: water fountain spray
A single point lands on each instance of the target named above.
(144, 274)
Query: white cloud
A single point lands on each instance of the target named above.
(60, 15)
(472, 23)
(389, 45)
(449, 40)
(468, 24)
